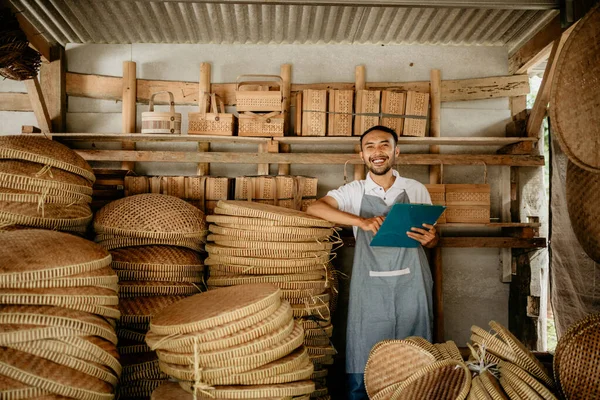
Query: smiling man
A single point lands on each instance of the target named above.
(391, 287)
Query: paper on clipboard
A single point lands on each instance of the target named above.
(400, 219)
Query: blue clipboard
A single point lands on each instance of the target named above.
(400, 219)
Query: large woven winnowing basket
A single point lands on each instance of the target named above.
(230, 241)
(156, 288)
(45, 152)
(260, 253)
(256, 210)
(32, 255)
(104, 277)
(574, 94)
(247, 221)
(582, 188)
(33, 175)
(511, 369)
(393, 361)
(214, 308)
(216, 259)
(72, 218)
(150, 215)
(290, 236)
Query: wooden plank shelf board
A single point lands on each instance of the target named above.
(479, 242)
(492, 225)
(141, 137)
(305, 158)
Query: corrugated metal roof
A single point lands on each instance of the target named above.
(143, 21)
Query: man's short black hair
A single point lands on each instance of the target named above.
(382, 129)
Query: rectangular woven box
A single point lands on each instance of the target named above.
(393, 103)
(468, 203)
(416, 104)
(339, 119)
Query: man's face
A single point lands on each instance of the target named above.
(379, 152)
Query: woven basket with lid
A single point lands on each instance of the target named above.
(45, 152)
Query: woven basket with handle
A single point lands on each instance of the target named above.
(161, 122)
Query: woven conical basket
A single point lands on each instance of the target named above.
(45, 152)
(153, 216)
(213, 308)
(54, 255)
(286, 216)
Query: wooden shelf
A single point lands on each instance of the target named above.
(480, 242)
(492, 225)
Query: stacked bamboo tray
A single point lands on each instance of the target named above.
(58, 307)
(43, 184)
(155, 242)
(259, 243)
(232, 343)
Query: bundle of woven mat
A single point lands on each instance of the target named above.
(43, 184)
(155, 241)
(260, 243)
(232, 343)
(499, 367)
(58, 307)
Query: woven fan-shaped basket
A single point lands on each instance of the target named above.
(448, 379)
(425, 345)
(228, 219)
(104, 277)
(153, 257)
(492, 386)
(230, 241)
(215, 249)
(45, 152)
(495, 344)
(290, 236)
(41, 175)
(121, 242)
(156, 288)
(520, 374)
(215, 259)
(226, 335)
(578, 369)
(525, 358)
(54, 255)
(150, 215)
(224, 357)
(36, 371)
(574, 94)
(213, 308)
(582, 188)
(393, 361)
(263, 392)
(74, 218)
(286, 216)
(60, 296)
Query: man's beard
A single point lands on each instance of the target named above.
(380, 171)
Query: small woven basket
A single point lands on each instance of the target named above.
(161, 122)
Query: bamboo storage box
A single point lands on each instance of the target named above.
(215, 122)
(269, 125)
(468, 203)
(417, 105)
(314, 112)
(341, 103)
(247, 98)
(161, 122)
(437, 192)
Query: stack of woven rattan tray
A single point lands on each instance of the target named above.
(232, 343)
(43, 184)
(576, 366)
(413, 368)
(260, 243)
(58, 306)
(154, 240)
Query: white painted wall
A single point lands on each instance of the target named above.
(473, 293)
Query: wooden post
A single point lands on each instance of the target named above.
(263, 169)
(38, 104)
(505, 190)
(286, 76)
(298, 116)
(203, 87)
(435, 177)
(360, 84)
(129, 91)
(52, 81)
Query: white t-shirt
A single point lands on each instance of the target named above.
(349, 196)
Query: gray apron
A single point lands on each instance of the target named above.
(390, 291)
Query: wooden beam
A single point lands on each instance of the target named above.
(284, 169)
(15, 102)
(129, 115)
(38, 104)
(360, 84)
(495, 242)
(186, 93)
(505, 193)
(536, 49)
(435, 171)
(52, 81)
(518, 104)
(204, 86)
(35, 37)
(305, 158)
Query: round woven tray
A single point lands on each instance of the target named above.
(131, 335)
(24, 196)
(507, 368)
(17, 186)
(140, 310)
(54, 255)
(582, 188)
(170, 391)
(301, 294)
(185, 276)
(45, 152)
(14, 390)
(284, 230)
(574, 94)
(448, 379)
(104, 277)
(104, 311)
(321, 350)
(59, 296)
(73, 218)
(224, 357)
(118, 243)
(226, 335)
(234, 280)
(197, 341)
(40, 175)
(213, 308)
(321, 359)
(155, 258)
(525, 358)
(230, 241)
(153, 216)
(286, 216)
(223, 270)
(149, 288)
(36, 371)
(320, 341)
(393, 361)
(255, 391)
(291, 236)
(215, 249)
(14, 334)
(215, 259)
(228, 219)
(92, 347)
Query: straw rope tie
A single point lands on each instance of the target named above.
(198, 384)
